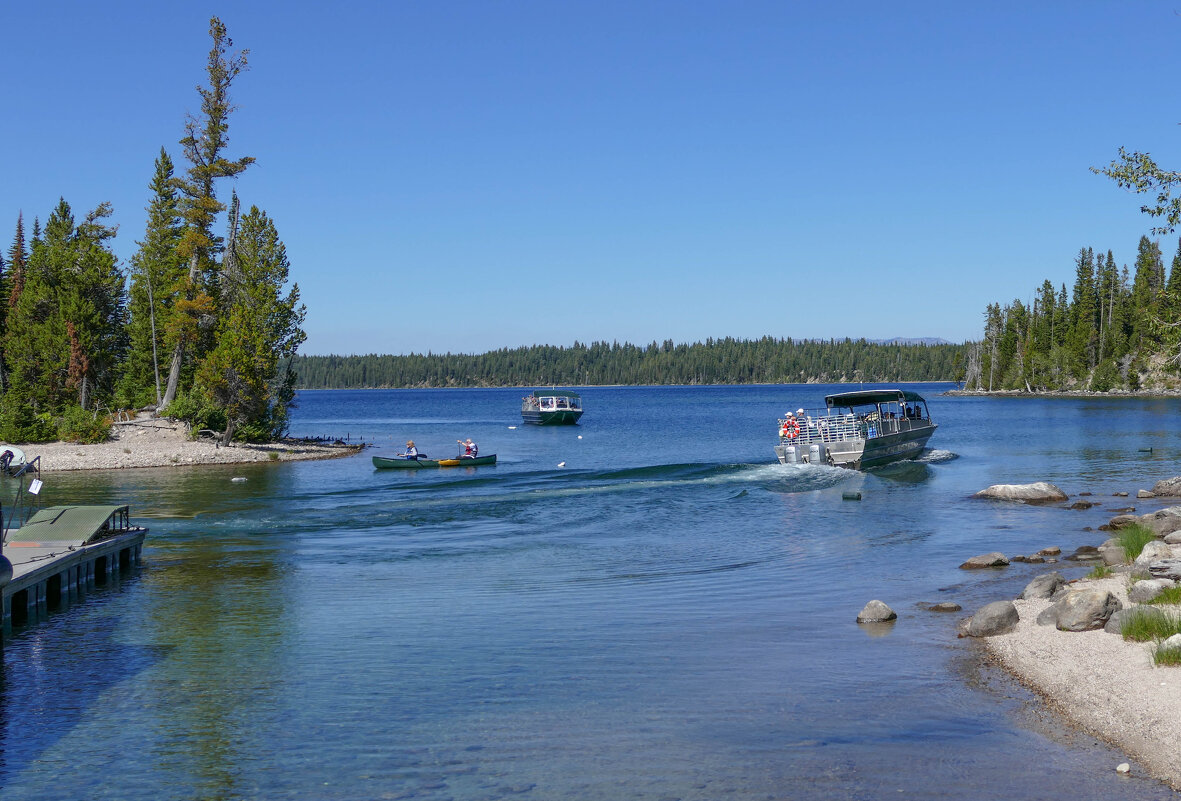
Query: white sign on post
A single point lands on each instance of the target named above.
(35, 486)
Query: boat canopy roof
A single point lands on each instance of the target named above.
(872, 397)
(554, 393)
(77, 525)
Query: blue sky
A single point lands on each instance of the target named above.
(468, 176)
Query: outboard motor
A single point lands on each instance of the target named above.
(817, 453)
(790, 455)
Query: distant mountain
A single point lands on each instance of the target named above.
(911, 341)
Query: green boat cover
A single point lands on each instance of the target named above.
(554, 393)
(77, 524)
(869, 397)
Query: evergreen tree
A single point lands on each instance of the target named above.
(1146, 287)
(1083, 339)
(157, 268)
(204, 143)
(17, 257)
(66, 332)
(248, 375)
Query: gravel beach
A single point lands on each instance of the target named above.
(1103, 683)
(156, 442)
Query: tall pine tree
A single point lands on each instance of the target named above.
(205, 140)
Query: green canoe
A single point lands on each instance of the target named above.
(383, 462)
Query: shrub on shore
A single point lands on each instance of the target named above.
(1133, 538)
(1147, 625)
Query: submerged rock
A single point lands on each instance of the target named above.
(994, 559)
(1038, 492)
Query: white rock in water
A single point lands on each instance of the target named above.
(238, 479)
(876, 612)
(1123, 767)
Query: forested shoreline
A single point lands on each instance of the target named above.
(1117, 330)
(716, 361)
(207, 327)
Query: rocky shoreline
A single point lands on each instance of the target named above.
(1063, 638)
(160, 442)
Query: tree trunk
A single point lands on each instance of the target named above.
(229, 432)
(173, 375)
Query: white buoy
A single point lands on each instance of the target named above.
(561, 464)
(238, 479)
(580, 436)
(510, 428)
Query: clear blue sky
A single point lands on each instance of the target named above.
(466, 176)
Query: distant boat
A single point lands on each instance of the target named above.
(551, 407)
(401, 462)
(857, 430)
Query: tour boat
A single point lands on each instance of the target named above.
(551, 407)
(414, 464)
(857, 430)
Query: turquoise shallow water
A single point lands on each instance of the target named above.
(668, 615)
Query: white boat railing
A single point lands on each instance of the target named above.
(827, 427)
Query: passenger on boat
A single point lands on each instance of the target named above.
(470, 450)
(411, 451)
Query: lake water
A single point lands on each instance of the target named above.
(669, 615)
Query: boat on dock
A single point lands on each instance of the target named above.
(857, 430)
(402, 463)
(551, 407)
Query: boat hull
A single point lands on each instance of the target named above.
(561, 417)
(387, 463)
(860, 454)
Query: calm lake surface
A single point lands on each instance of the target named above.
(671, 615)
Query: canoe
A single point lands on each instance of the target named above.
(383, 462)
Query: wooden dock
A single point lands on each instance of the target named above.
(58, 555)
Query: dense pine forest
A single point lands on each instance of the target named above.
(1115, 329)
(207, 328)
(715, 361)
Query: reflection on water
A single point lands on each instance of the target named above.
(671, 615)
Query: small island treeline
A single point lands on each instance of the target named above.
(206, 327)
(767, 360)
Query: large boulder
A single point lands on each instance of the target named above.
(876, 612)
(998, 617)
(1038, 492)
(1154, 552)
(1163, 521)
(994, 559)
(1169, 487)
(1044, 586)
(1113, 554)
(1144, 591)
(1085, 609)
